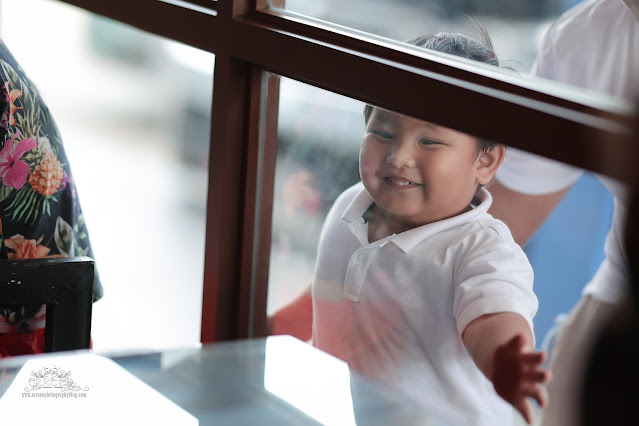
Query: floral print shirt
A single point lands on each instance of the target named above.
(40, 215)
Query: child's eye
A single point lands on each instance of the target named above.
(382, 134)
(429, 142)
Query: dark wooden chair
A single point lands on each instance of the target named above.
(65, 285)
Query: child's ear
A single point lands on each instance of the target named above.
(488, 163)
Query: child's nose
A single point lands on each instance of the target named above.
(401, 155)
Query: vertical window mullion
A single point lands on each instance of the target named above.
(261, 161)
(223, 248)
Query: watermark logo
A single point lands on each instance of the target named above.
(53, 382)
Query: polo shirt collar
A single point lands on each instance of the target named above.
(407, 240)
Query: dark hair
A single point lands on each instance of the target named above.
(459, 45)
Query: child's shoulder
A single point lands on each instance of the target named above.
(491, 226)
(484, 229)
(488, 241)
(485, 223)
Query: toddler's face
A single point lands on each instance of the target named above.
(417, 172)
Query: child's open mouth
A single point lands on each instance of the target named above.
(399, 182)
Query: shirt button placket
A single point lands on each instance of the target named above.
(356, 273)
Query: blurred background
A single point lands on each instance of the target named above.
(129, 106)
(134, 113)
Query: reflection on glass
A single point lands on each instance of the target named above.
(406, 262)
(550, 40)
(516, 27)
(319, 386)
(93, 385)
(134, 114)
(319, 134)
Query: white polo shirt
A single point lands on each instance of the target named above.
(594, 45)
(395, 309)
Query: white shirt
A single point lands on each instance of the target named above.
(594, 45)
(395, 308)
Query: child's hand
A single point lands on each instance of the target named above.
(517, 376)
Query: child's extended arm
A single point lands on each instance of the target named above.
(502, 347)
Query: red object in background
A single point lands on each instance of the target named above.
(295, 319)
(27, 343)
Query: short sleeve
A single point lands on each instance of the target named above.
(530, 173)
(533, 174)
(492, 276)
(40, 213)
(543, 65)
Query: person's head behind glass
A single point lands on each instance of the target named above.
(419, 172)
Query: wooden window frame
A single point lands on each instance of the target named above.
(251, 42)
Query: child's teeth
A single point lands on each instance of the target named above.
(400, 183)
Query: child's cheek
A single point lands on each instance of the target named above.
(367, 167)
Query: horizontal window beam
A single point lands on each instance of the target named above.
(436, 62)
(431, 88)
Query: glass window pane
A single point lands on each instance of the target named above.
(519, 31)
(133, 111)
(366, 307)
(516, 27)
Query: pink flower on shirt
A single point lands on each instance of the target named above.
(14, 171)
(26, 249)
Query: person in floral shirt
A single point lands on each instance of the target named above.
(40, 214)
